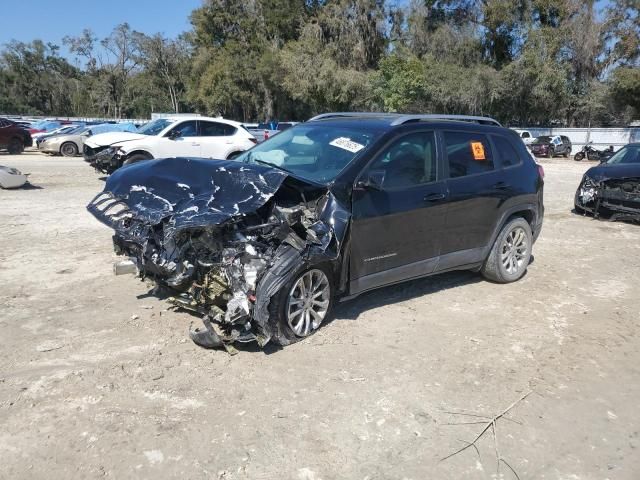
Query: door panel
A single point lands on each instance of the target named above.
(186, 145)
(216, 138)
(475, 191)
(399, 222)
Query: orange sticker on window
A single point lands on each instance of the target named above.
(477, 148)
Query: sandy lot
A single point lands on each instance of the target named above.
(98, 378)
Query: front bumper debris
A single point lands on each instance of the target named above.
(222, 236)
(611, 198)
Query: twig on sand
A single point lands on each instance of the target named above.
(490, 424)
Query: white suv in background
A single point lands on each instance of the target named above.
(169, 137)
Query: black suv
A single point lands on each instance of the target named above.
(344, 203)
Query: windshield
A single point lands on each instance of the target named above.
(542, 140)
(154, 127)
(311, 151)
(627, 154)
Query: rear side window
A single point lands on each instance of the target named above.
(215, 129)
(505, 151)
(468, 153)
(526, 135)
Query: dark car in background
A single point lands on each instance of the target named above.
(612, 189)
(551, 146)
(263, 245)
(13, 137)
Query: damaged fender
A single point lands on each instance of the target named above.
(223, 236)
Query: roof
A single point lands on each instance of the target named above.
(183, 118)
(395, 119)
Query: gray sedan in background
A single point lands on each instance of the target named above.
(68, 145)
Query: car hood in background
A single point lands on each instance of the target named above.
(620, 170)
(65, 138)
(107, 139)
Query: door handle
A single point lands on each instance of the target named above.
(434, 197)
(501, 186)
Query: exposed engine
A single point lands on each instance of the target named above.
(223, 243)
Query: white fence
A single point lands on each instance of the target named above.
(601, 138)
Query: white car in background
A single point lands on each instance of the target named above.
(169, 137)
(525, 135)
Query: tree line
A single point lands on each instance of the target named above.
(524, 62)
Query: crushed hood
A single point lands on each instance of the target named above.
(619, 170)
(194, 192)
(110, 138)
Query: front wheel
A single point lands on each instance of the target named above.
(138, 157)
(69, 149)
(509, 257)
(578, 157)
(302, 305)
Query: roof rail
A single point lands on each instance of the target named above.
(436, 116)
(400, 118)
(324, 116)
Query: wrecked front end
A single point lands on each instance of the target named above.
(611, 198)
(104, 159)
(222, 236)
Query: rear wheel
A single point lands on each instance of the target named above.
(15, 146)
(69, 149)
(302, 305)
(509, 257)
(234, 155)
(578, 157)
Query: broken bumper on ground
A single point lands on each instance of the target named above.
(223, 236)
(612, 198)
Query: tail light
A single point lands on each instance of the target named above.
(266, 134)
(540, 170)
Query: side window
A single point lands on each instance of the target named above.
(214, 129)
(186, 129)
(468, 153)
(526, 135)
(408, 161)
(506, 152)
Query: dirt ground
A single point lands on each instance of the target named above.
(98, 379)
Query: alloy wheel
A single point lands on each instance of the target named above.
(514, 251)
(308, 302)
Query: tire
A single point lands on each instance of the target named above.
(578, 157)
(234, 155)
(549, 153)
(15, 147)
(69, 149)
(566, 154)
(516, 232)
(138, 157)
(285, 327)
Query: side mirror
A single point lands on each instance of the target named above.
(373, 180)
(173, 134)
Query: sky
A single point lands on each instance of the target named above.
(50, 21)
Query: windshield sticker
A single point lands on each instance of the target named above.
(347, 144)
(477, 148)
